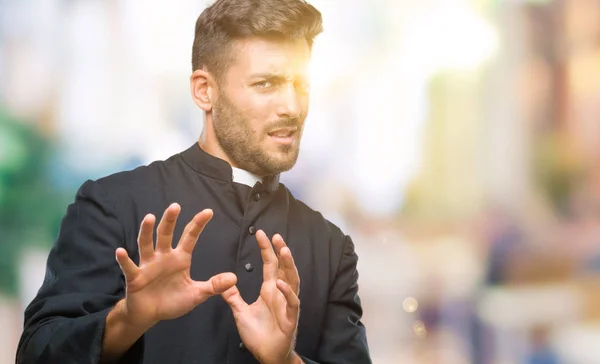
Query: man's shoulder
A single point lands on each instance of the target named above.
(315, 218)
(139, 176)
(125, 185)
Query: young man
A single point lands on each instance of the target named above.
(152, 304)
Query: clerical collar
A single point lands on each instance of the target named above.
(213, 167)
(244, 177)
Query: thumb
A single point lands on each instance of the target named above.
(215, 285)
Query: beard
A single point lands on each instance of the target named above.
(243, 147)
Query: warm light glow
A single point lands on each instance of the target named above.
(410, 304)
(419, 329)
(450, 35)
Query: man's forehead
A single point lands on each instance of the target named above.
(261, 55)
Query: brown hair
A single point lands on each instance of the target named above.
(227, 20)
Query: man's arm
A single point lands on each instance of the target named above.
(70, 321)
(65, 322)
(344, 338)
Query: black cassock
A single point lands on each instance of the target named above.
(64, 323)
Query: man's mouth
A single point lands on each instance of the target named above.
(283, 132)
(286, 136)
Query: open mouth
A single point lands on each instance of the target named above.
(284, 135)
(283, 132)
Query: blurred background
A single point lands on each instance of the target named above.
(456, 141)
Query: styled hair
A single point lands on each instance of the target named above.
(225, 21)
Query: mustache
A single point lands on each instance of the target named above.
(285, 123)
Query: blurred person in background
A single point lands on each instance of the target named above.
(152, 304)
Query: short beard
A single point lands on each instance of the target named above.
(235, 136)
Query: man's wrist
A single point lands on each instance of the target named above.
(294, 358)
(119, 333)
(123, 321)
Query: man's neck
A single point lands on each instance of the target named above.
(239, 175)
(213, 148)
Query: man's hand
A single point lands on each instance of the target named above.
(160, 287)
(268, 326)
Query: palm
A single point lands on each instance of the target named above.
(161, 287)
(259, 323)
(268, 326)
(164, 288)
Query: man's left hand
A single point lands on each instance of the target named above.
(268, 326)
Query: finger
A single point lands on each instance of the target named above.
(145, 247)
(290, 270)
(287, 264)
(268, 256)
(215, 285)
(193, 230)
(234, 300)
(164, 232)
(128, 267)
(289, 315)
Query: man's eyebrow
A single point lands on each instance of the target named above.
(270, 76)
(278, 77)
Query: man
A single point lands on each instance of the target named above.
(249, 61)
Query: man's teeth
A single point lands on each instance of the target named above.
(282, 134)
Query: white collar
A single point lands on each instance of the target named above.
(244, 177)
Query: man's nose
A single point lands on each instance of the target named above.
(290, 102)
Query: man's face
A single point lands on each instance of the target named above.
(262, 104)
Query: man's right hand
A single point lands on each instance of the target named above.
(160, 288)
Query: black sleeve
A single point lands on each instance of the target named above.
(343, 336)
(65, 321)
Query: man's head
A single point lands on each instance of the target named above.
(250, 60)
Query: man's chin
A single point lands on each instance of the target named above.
(278, 165)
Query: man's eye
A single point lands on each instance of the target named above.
(263, 84)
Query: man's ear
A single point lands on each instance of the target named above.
(202, 87)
